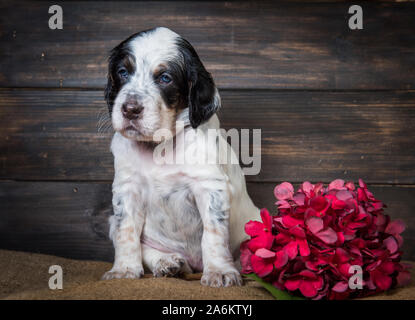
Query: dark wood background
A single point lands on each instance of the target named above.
(331, 103)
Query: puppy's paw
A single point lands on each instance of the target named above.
(170, 265)
(220, 279)
(128, 273)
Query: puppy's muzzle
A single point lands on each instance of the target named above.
(132, 109)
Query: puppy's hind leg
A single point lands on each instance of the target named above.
(164, 264)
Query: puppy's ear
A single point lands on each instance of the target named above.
(111, 87)
(109, 93)
(204, 99)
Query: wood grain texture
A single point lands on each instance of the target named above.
(70, 218)
(316, 136)
(248, 44)
(66, 219)
(341, 105)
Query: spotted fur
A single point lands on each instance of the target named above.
(173, 218)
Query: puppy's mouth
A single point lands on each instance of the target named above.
(134, 132)
(131, 128)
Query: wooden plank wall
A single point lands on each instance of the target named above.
(331, 103)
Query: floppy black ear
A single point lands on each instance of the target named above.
(204, 99)
(110, 89)
(109, 94)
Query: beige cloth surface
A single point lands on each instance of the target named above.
(25, 276)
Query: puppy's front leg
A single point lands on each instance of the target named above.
(218, 267)
(126, 226)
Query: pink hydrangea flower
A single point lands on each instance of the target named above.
(318, 234)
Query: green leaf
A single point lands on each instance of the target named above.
(276, 293)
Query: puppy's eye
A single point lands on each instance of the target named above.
(165, 78)
(123, 73)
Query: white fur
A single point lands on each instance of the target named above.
(174, 217)
(150, 50)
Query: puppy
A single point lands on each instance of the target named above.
(186, 216)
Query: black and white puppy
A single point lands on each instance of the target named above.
(171, 217)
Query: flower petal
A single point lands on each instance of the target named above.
(318, 283)
(391, 244)
(350, 185)
(281, 260)
(395, 227)
(307, 187)
(340, 238)
(292, 284)
(291, 249)
(260, 266)
(329, 236)
(318, 203)
(342, 255)
(308, 274)
(264, 240)
(307, 289)
(340, 286)
(315, 264)
(315, 224)
(381, 280)
(299, 199)
(254, 228)
(282, 238)
(290, 222)
(284, 191)
(318, 188)
(265, 253)
(361, 195)
(298, 232)
(266, 219)
(283, 204)
(344, 195)
(387, 267)
(338, 204)
(304, 248)
(337, 184)
(377, 205)
(399, 239)
(245, 258)
(362, 184)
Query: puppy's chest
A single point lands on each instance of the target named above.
(170, 209)
(164, 195)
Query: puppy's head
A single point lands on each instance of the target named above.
(153, 77)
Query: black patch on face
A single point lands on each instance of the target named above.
(201, 87)
(174, 93)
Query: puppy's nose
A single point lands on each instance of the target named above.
(131, 110)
